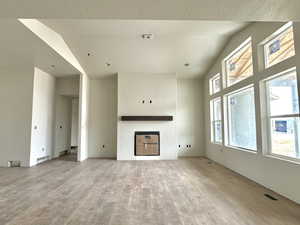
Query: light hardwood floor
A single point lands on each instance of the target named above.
(109, 192)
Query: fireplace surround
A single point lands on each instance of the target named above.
(147, 143)
(136, 116)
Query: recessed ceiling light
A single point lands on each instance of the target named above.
(186, 64)
(107, 64)
(147, 36)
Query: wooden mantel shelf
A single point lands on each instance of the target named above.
(146, 118)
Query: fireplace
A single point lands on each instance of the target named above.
(146, 143)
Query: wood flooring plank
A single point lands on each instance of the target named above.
(108, 192)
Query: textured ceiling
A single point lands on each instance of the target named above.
(234, 10)
(119, 43)
(21, 48)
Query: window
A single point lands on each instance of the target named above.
(238, 66)
(280, 47)
(215, 84)
(283, 114)
(241, 119)
(216, 121)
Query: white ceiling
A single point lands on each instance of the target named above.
(21, 48)
(234, 10)
(119, 42)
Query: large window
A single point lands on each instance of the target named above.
(280, 47)
(215, 84)
(241, 119)
(283, 114)
(238, 66)
(216, 120)
(278, 95)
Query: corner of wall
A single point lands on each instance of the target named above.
(83, 117)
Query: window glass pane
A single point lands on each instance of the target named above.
(216, 120)
(215, 84)
(239, 65)
(217, 126)
(280, 47)
(217, 109)
(283, 94)
(282, 98)
(285, 136)
(241, 119)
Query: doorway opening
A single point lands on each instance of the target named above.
(67, 119)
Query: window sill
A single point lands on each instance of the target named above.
(284, 158)
(217, 143)
(241, 149)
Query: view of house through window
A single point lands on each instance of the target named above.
(241, 119)
(238, 66)
(280, 47)
(216, 120)
(283, 113)
(281, 99)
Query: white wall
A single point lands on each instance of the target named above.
(75, 121)
(42, 116)
(53, 39)
(68, 86)
(278, 175)
(132, 90)
(16, 92)
(66, 90)
(190, 116)
(84, 92)
(103, 118)
(63, 116)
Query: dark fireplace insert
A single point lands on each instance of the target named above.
(146, 143)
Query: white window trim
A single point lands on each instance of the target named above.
(283, 158)
(244, 43)
(227, 119)
(271, 38)
(268, 150)
(212, 121)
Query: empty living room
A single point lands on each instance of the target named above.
(143, 112)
